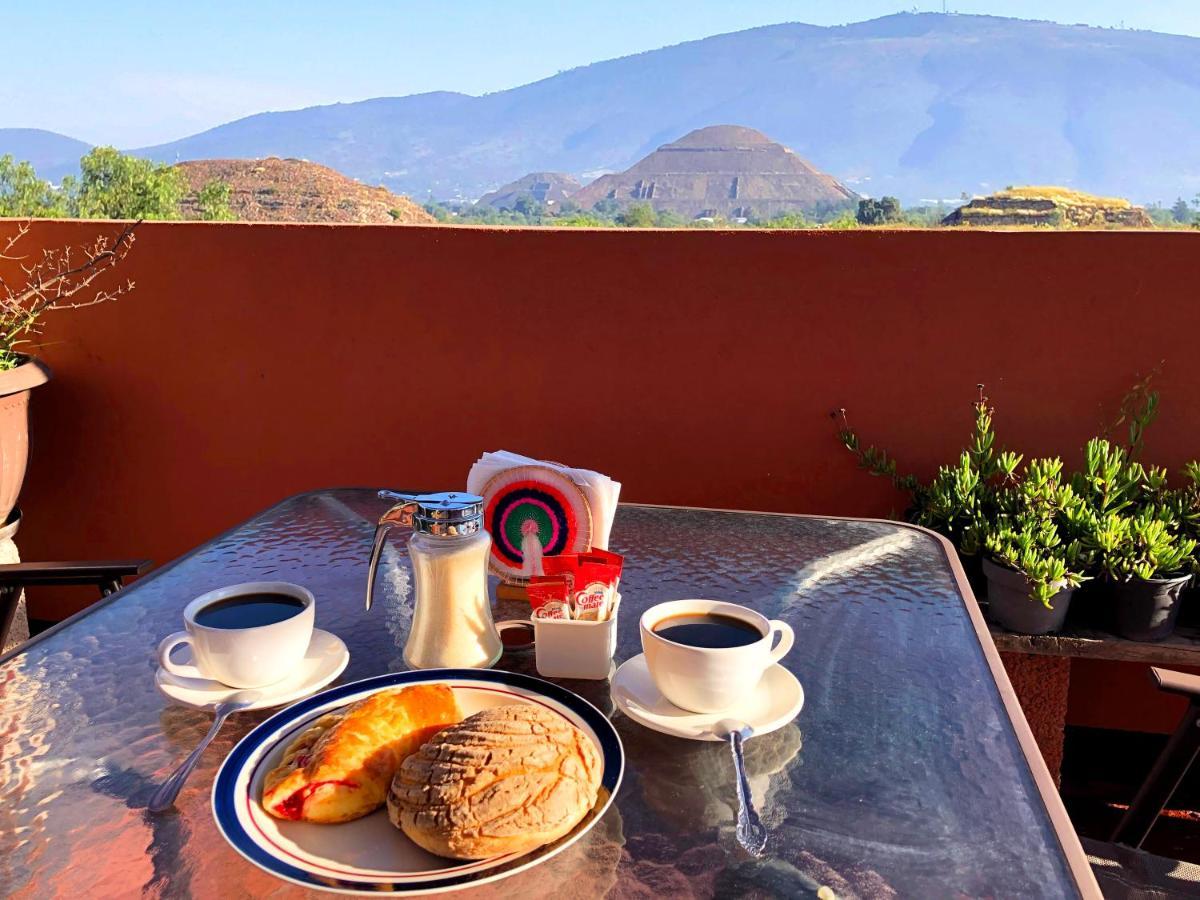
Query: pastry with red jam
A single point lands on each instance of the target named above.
(340, 768)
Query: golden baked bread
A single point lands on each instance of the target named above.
(340, 768)
(505, 780)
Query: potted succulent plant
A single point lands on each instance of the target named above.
(1109, 483)
(958, 502)
(1190, 525)
(32, 285)
(1145, 565)
(1031, 568)
(1138, 535)
(1116, 524)
(1189, 497)
(1006, 525)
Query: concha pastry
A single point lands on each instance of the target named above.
(505, 780)
(340, 768)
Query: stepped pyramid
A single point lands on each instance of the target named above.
(1051, 206)
(722, 170)
(544, 187)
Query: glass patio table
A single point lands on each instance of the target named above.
(910, 771)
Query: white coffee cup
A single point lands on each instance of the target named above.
(242, 657)
(711, 679)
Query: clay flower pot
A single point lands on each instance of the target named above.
(14, 623)
(1146, 609)
(1011, 606)
(15, 385)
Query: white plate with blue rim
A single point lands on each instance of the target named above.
(370, 855)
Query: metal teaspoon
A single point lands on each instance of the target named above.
(164, 797)
(751, 833)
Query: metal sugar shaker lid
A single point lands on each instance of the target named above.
(442, 514)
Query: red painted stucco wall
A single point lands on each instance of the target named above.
(698, 367)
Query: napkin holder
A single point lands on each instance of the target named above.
(569, 510)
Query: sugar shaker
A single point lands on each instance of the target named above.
(452, 616)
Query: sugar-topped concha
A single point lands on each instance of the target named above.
(505, 780)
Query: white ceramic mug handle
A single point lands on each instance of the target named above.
(169, 643)
(786, 638)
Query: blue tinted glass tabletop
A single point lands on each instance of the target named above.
(904, 775)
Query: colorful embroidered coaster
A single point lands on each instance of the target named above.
(532, 508)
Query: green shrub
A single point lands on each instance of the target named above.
(1027, 532)
(1115, 517)
(213, 201)
(959, 501)
(1145, 545)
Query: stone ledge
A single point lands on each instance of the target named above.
(1182, 648)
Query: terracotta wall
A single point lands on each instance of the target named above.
(699, 367)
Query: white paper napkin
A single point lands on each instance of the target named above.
(600, 491)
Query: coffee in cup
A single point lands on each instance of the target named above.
(246, 636)
(706, 656)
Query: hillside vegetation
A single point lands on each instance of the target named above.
(113, 185)
(292, 190)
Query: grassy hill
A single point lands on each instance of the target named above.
(292, 190)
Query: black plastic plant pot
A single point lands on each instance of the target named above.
(1189, 616)
(1011, 606)
(1091, 606)
(1147, 608)
(973, 569)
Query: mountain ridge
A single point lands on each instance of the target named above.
(46, 150)
(921, 106)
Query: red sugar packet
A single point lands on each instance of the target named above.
(549, 596)
(594, 576)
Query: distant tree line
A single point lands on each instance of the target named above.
(1180, 214)
(870, 212)
(110, 185)
(884, 211)
(609, 213)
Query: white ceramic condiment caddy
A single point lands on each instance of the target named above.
(567, 648)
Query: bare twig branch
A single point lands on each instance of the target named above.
(22, 230)
(51, 282)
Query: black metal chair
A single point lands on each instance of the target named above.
(107, 575)
(1170, 767)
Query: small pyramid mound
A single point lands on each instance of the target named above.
(295, 190)
(545, 187)
(1050, 207)
(722, 170)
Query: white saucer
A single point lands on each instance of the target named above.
(324, 661)
(775, 702)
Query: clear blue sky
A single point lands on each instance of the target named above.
(135, 72)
